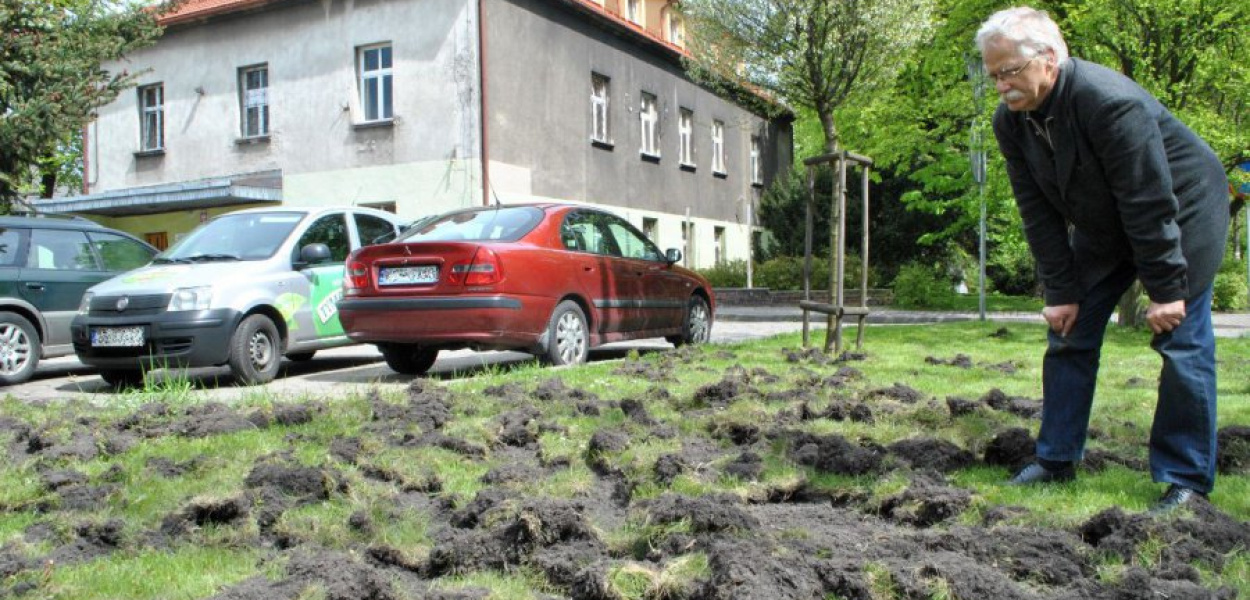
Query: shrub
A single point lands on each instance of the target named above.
(786, 273)
(731, 274)
(922, 286)
(1230, 291)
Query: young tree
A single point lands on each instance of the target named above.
(52, 80)
(809, 53)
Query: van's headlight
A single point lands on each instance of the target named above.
(192, 298)
(84, 306)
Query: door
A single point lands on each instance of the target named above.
(610, 285)
(311, 304)
(60, 266)
(661, 294)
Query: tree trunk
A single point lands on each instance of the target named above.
(828, 127)
(1132, 310)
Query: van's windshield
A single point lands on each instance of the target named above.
(247, 236)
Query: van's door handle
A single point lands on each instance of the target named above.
(34, 285)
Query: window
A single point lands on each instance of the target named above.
(718, 234)
(756, 177)
(159, 239)
(649, 117)
(676, 32)
(629, 242)
(119, 253)
(152, 117)
(650, 228)
(373, 230)
(60, 249)
(599, 86)
(330, 230)
(685, 130)
(376, 92)
(633, 11)
(254, 100)
(718, 147)
(11, 241)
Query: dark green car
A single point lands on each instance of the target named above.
(46, 264)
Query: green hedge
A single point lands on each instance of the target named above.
(784, 273)
(1230, 286)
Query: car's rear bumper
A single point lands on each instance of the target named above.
(182, 338)
(485, 321)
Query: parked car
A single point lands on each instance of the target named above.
(551, 279)
(46, 263)
(241, 290)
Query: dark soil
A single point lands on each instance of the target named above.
(792, 541)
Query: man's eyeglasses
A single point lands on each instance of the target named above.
(1005, 74)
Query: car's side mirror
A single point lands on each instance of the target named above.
(672, 255)
(313, 254)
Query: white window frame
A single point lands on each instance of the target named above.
(676, 32)
(152, 117)
(651, 228)
(685, 129)
(254, 102)
(718, 147)
(633, 11)
(600, 93)
(383, 76)
(756, 176)
(649, 120)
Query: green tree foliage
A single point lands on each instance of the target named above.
(809, 53)
(51, 80)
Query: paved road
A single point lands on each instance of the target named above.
(340, 370)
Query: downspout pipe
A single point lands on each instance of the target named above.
(481, 83)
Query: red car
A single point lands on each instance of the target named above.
(553, 280)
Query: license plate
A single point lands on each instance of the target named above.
(407, 275)
(117, 336)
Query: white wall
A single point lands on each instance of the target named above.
(310, 50)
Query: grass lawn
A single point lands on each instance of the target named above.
(173, 492)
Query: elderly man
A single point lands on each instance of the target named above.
(1111, 187)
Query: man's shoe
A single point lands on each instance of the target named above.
(1035, 473)
(1176, 497)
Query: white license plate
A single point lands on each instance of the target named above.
(117, 336)
(407, 275)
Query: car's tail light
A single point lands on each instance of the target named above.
(357, 275)
(484, 269)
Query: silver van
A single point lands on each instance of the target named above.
(241, 290)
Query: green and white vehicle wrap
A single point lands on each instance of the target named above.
(242, 290)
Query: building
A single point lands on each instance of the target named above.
(381, 103)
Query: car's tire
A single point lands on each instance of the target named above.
(408, 359)
(301, 356)
(568, 336)
(255, 351)
(122, 378)
(20, 349)
(697, 327)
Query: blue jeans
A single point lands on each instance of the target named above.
(1182, 439)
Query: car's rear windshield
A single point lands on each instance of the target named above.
(242, 236)
(504, 224)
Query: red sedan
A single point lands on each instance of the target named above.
(551, 279)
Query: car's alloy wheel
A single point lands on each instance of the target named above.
(19, 349)
(408, 359)
(698, 326)
(568, 338)
(254, 351)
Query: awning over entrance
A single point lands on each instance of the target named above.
(187, 195)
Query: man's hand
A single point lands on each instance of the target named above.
(1061, 318)
(1165, 317)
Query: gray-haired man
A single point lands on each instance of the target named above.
(1111, 187)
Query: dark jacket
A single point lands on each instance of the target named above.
(1133, 182)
